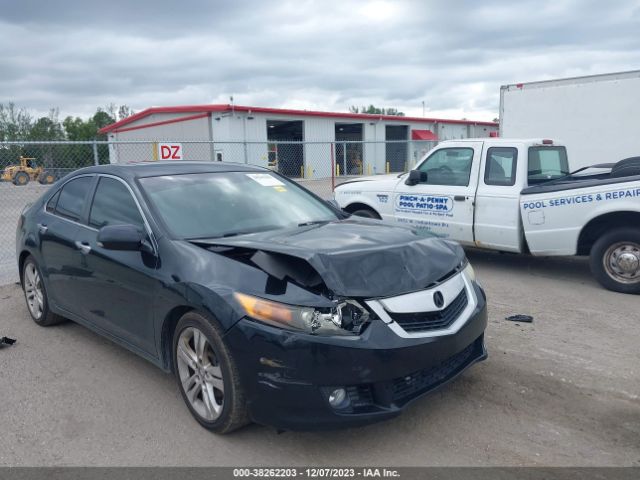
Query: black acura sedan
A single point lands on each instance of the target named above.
(267, 303)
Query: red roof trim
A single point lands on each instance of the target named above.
(423, 135)
(164, 122)
(280, 111)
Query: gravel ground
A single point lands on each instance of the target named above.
(563, 390)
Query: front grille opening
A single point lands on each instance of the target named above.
(398, 391)
(424, 380)
(430, 321)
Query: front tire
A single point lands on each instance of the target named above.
(21, 179)
(207, 375)
(35, 295)
(615, 260)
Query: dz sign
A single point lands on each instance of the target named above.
(169, 151)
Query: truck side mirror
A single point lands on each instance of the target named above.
(415, 177)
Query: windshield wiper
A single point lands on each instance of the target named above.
(313, 222)
(235, 233)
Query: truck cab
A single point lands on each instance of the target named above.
(517, 196)
(467, 190)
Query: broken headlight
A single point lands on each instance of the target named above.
(346, 318)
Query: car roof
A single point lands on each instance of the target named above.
(176, 167)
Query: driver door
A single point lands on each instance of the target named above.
(444, 203)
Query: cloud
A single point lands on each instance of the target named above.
(324, 55)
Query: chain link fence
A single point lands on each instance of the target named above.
(29, 168)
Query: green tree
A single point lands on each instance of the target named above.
(15, 123)
(47, 128)
(373, 110)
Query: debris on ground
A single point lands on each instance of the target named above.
(520, 318)
(6, 341)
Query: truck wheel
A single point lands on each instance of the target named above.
(615, 260)
(367, 213)
(21, 179)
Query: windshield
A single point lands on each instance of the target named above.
(205, 205)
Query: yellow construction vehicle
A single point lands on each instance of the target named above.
(27, 171)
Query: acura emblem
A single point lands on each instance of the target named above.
(438, 299)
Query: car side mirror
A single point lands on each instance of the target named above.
(415, 177)
(121, 237)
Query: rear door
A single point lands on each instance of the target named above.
(116, 288)
(444, 203)
(57, 229)
(497, 216)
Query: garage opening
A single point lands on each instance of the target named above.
(397, 150)
(286, 158)
(349, 159)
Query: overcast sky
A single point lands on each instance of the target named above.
(324, 55)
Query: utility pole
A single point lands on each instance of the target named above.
(423, 108)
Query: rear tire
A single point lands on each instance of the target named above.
(366, 213)
(207, 375)
(626, 168)
(35, 295)
(21, 179)
(46, 178)
(615, 260)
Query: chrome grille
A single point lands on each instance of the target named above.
(429, 321)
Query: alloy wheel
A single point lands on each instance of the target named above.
(200, 373)
(33, 290)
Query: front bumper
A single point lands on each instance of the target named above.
(287, 376)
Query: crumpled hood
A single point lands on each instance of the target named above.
(353, 257)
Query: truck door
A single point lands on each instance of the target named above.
(443, 203)
(497, 216)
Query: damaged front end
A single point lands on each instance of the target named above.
(347, 317)
(340, 266)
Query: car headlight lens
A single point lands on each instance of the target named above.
(470, 272)
(346, 318)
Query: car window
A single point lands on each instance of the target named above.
(448, 166)
(114, 205)
(221, 204)
(500, 168)
(547, 163)
(51, 204)
(73, 197)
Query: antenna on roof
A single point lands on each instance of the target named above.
(231, 102)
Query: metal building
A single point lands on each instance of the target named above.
(294, 141)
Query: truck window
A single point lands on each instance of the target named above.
(547, 163)
(448, 166)
(501, 166)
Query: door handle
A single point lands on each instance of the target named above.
(43, 228)
(84, 247)
(459, 198)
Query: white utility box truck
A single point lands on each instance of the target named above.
(516, 196)
(596, 117)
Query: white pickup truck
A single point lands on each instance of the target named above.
(515, 196)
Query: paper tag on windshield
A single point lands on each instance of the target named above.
(265, 179)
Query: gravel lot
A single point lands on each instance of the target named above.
(564, 390)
